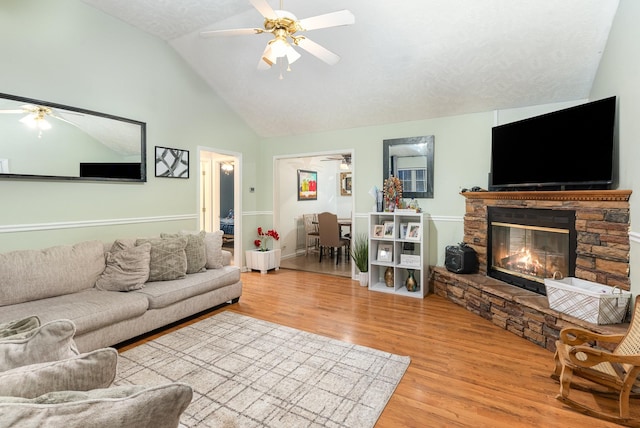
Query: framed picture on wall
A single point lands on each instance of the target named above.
(307, 185)
(172, 163)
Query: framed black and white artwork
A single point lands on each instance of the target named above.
(172, 163)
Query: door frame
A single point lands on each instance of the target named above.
(219, 155)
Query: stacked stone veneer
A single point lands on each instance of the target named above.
(602, 225)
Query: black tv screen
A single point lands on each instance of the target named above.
(566, 149)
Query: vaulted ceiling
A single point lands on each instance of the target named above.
(401, 60)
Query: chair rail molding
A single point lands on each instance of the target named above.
(12, 228)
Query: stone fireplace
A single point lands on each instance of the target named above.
(599, 253)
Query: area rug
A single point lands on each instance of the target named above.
(247, 372)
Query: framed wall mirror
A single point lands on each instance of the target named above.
(345, 184)
(411, 160)
(43, 140)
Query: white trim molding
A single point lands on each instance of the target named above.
(634, 237)
(93, 223)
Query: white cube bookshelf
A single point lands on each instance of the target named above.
(390, 231)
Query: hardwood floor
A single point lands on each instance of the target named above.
(464, 370)
(311, 263)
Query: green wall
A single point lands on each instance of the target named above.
(618, 74)
(69, 53)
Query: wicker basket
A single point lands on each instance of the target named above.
(588, 301)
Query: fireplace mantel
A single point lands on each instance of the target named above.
(562, 195)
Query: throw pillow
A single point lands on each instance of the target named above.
(15, 327)
(122, 244)
(83, 372)
(213, 248)
(195, 250)
(120, 406)
(49, 342)
(126, 269)
(168, 259)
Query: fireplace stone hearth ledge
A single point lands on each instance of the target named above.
(602, 221)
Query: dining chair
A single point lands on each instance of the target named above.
(311, 231)
(330, 234)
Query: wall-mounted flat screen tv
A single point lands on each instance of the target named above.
(567, 149)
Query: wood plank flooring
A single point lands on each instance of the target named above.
(464, 371)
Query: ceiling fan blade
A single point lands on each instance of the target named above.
(264, 9)
(318, 51)
(12, 111)
(233, 32)
(333, 19)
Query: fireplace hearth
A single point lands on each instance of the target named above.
(527, 245)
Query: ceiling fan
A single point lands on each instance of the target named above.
(284, 25)
(345, 160)
(36, 116)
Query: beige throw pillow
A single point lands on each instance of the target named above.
(51, 342)
(213, 244)
(195, 250)
(119, 406)
(168, 259)
(83, 372)
(126, 269)
(15, 327)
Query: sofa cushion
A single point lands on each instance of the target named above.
(89, 310)
(83, 372)
(195, 250)
(12, 328)
(121, 406)
(27, 275)
(213, 244)
(165, 293)
(49, 342)
(126, 270)
(168, 259)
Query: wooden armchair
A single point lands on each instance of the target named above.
(608, 372)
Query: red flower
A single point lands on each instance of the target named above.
(264, 238)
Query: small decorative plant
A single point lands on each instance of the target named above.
(264, 237)
(360, 253)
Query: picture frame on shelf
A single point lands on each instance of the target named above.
(403, 230)
(378, 231)
(385, 253)
(410, 260)
(414, 232)
(389, 229)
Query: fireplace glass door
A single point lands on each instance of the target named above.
(528, 245)
(529, 251)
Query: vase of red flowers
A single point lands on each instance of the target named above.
(262, 258)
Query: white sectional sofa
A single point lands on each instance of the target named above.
(102, 287)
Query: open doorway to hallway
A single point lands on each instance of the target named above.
(219, 199)
(334, 173)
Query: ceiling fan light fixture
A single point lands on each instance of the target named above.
(227, 167)
(35, 121)
(292, 54)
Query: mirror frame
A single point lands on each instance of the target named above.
(428, 141)
(143, 146)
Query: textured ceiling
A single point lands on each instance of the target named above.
(401, 60)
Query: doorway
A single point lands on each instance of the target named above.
(289, 208)
(219, 199)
